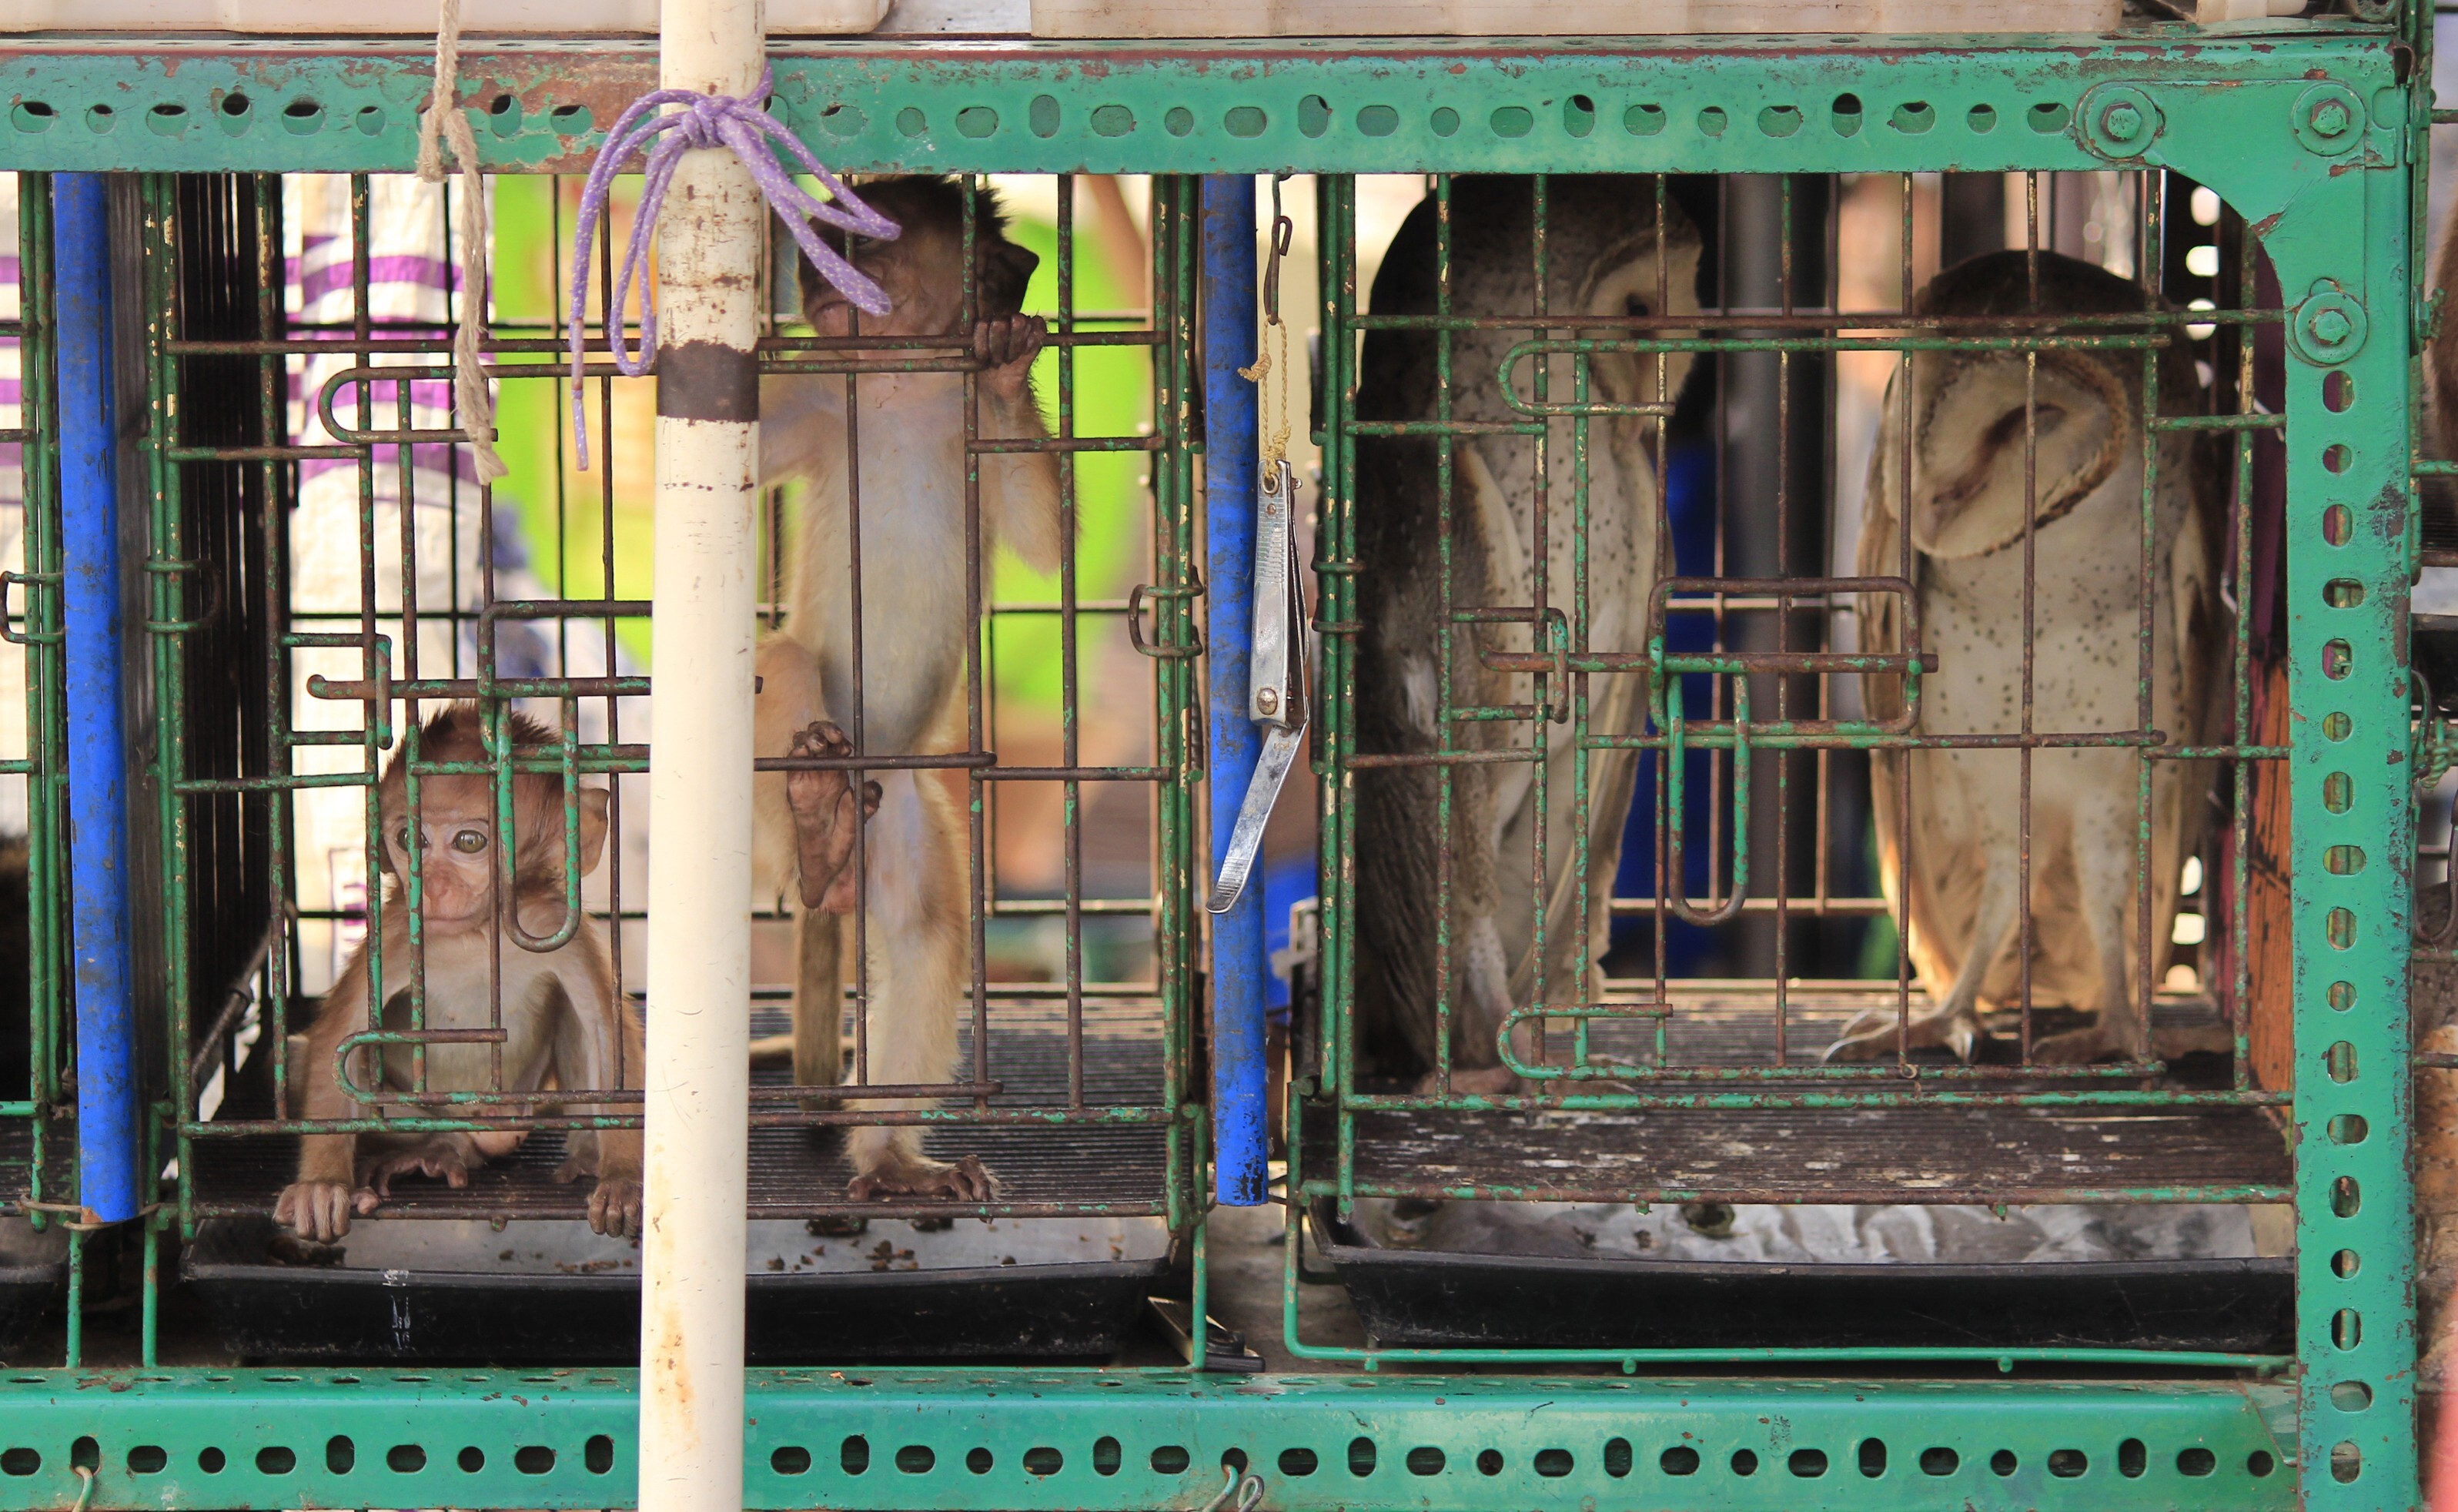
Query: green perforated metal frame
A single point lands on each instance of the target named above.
(2312, 134)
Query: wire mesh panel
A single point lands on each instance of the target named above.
(34, 1155)
(1804, 695)
(363, 605)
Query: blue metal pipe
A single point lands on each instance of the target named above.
(111, 1184)
(1240, 966)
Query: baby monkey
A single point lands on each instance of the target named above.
(564, 1026)
(899, 449)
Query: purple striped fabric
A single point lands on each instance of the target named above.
(12, 486)
(333, 278)
(409, 293)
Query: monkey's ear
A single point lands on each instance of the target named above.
(592, 827)
(1005, 272)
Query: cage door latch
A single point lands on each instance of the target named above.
(1276, 695)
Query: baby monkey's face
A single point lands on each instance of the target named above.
(454, 837)
(920, 271)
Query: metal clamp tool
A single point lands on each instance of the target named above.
(1276, 697)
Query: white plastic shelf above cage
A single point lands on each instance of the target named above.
(478, 17)
(1233, 18)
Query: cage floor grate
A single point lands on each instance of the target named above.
(802, 1172)
(1922, 1154)
(1872, 1155)
(1722, 1023)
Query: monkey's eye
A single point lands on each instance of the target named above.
(401, 838)
(470, 842)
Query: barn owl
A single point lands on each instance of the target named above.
(1607, 255)
(1958, 883)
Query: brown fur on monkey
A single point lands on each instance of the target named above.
(564, 1024)
(899, 447)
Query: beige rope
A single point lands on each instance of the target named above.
(442, 118)
(1272, 418)
(1273, 427)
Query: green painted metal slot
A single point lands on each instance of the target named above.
(912, 1440)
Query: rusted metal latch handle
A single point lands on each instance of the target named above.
(1276, 692)
(1135, 598)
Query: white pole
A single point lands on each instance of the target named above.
(699, 791)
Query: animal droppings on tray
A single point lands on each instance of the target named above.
(777, 1263)
(887, 1257)
(503, 1257)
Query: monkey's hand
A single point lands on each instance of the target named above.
(825, 821)
(1006, 348)
(914, 1176)
(318, 1210)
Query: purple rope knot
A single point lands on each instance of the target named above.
(744, 127)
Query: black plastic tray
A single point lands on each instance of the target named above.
(34, 1269)
(1419, 1299)
(550, 1292)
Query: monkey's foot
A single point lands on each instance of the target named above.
(316, 1211)
(1006, 348)
(437, 1159)
(836, 1226)
(1871, 1036)
(827, 818)
(615, 1207)
(967, 1180)
(2101, 1042)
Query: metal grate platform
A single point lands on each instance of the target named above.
(802, 1172)
(1731, 1024)
(1827, 1155)
(1928, 1153)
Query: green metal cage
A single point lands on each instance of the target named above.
(38, 1152)
(2311, 134)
